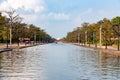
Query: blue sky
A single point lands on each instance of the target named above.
(58, 17)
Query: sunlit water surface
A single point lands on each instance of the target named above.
(58, 62)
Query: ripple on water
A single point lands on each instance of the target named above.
(58, 62)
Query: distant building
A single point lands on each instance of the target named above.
(114, 39)
(24, 39)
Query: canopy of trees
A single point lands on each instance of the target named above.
(21, 30)
(90, 33)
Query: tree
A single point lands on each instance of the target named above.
(90, 37)
(11, 26)
(37, 34)
(95, 33)
(12, 19)
(116, 28)
(106, 32)
(85, 29)
(3, 28)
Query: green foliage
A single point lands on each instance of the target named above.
(22, 30)
(109, 30)
(116, 20)
(116, 29)
(2, 32)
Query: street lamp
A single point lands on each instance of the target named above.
(10, 33)
(86, 35)
(6, 23)
(101, 22)
(7, 38)
(85, 25)
(12, 18)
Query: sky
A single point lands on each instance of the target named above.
(58, 17)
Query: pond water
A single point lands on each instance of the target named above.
(58, 62)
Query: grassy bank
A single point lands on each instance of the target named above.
(111, 49)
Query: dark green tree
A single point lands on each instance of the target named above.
(116, 29)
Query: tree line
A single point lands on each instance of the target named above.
(20, 30)
(105, 32)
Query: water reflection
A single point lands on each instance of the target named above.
(20, 65)
(94, 65)
(109, 66)
(58, 62)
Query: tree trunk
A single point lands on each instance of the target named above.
(118, 37)
(118, 42)
(18, 42)
(89, 44)
(106, 44)
(95, 45)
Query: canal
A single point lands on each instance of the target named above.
(58, 62)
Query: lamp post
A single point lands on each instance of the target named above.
(100, 36)
(101, 22)
(12, 18)
(6, 23)
(10, 33)
(86, 36)
(7, 41)
(85, 25)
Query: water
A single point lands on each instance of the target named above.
(58, 62)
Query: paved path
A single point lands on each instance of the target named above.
(15, 46)
(110, 50)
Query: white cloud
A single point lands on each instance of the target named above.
(29, 9)
(35, 5)
(92, 16)
(31, 18)
(79, 18)
(59, 16)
